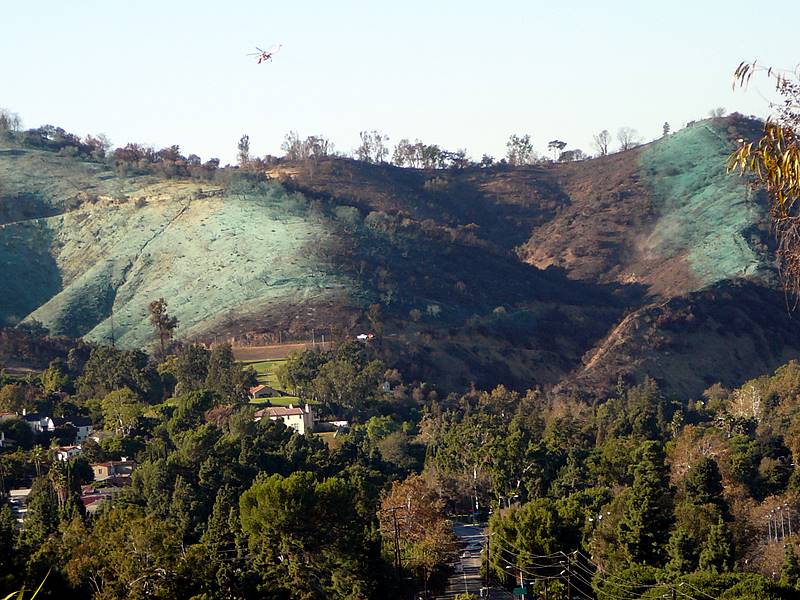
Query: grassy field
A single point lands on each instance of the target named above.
(266, 376)
(266, 370)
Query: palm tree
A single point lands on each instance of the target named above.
(38, 455)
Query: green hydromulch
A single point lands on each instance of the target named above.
(705, 212)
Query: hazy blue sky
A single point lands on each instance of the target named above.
(459, 74)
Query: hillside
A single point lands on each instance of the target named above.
(526, 275)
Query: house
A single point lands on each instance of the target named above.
(6, 442)
(113, 468)
(41, 424)
(82, 425)
(299, 419)
(94, 495)
(99, 436)
(65, 453)
(33, 420)
(264, 391)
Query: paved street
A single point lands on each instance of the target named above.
(468, 581)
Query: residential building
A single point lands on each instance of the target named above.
(82, 425)
(299, 419)
(65, 453)
(265, 391)
(113, 468)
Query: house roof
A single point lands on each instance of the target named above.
(279, 411)
(260, 388)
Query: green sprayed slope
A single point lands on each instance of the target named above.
(79, 244)
(706, 215)
(208, 257)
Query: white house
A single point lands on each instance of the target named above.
(299, 419)
(64, 453)
(82, 425)
(34, 420)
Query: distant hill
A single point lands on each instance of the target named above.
(651, 261)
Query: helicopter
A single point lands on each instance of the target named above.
(265, 55)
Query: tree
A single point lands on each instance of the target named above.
(122, 410)
(556, 146)
(683, 552)
(519, 150)
(773, 161)
(717, 555)
(190, 368)
(644, 528)
(571, 155)
(601, 141)
(665, 129)
(56, 377)
(790, 570)
(243, 155)
(717, 112)
(162, 322)
(703, 483)
(9, 122)
(298, 558)
(628, 138)
(299, 370)
(14, 398)
(226, 376)
(373, 148)
(8, 546)
(425, 536)
(42, 517)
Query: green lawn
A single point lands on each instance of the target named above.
(266, 376)
(266, 370)
(281, 401)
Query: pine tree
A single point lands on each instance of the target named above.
(181, 507)
(717, 555)
(703, 483)
(790, 571)
(644, 528)
(42, 517)
(223, 372)
(8, 543)
(683, 552)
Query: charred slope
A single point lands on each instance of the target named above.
(730, 332)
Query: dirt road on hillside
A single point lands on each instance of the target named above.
(274, 351)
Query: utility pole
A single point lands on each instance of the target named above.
(569, 577)
(397, 561)
(488, 568)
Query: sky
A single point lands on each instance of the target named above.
(459, 74)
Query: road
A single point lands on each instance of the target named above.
(469, 579)
(273, 351)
